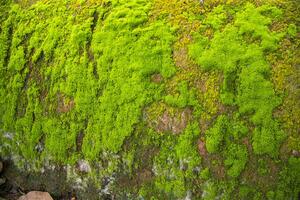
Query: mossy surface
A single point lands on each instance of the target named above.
(170, 99)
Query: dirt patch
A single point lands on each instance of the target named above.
(215, 163)
(156, 78)
(143, 174)
(212, 161)
(202, 148)
(181, 58)
(64, 104)
(251, 174)
(219, 171)
(141, 177)
(172, 122)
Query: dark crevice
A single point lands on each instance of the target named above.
(95, 70)
(8, 49)
(95, 20)
(80, 136)
(89, 50)
(79, 140)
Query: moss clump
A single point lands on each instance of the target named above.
(215, 135)
(236, 159)
(223, 139)
(239, 52)
(93, 77)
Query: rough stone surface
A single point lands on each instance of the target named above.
(36, 195)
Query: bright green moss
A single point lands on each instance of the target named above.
(292, 30)
(186, 97)
(236, 158)
(239, 52)
(210, 190)
(221, 139)
(77, 78)
(28, 128)
(123, 96)
(216, 18)
(224, 130)
(215, 135)
(91, 75)
(17, 60)
(205, 174)
(185, 148)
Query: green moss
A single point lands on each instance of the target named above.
(224, 130)
(288, 184)
(175, 164)
(186, 97)
(215, 135)
(89, 86)
(216, 18)
(262, 167)
(246, 71)
(185, 148)
(236, 159)
(205, 174)
(210, 191)
(127, 94)
(292, 30)
(84, 80)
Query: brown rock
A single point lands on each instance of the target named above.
(36, 195)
